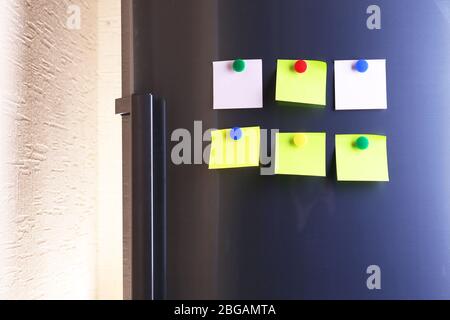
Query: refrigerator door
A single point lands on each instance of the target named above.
(237, 234)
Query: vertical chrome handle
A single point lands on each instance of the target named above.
(144, 196)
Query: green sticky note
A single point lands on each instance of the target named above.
(309, 87)
(300, 154)
(227, 153)
(355, 164)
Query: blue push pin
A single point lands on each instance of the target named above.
(361, 66)
(236, 133)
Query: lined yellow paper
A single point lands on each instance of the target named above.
(227, 153)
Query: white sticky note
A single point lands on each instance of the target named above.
(356, 90)
(237, 90)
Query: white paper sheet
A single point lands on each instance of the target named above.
(237, 90)
(360, 90)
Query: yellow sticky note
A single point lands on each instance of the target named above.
(356, 164)
(309, 87)
(229, 153)
(300, 154)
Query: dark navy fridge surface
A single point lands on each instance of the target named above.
(237, 234)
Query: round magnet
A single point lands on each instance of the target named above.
(300, 140)
(239, 65)
(236, 133)
(300, 66)
(362, 143)
(361, 66)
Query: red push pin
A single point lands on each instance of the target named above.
(300, 66)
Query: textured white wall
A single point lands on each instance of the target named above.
(8, 102)
(49, 152)
(109, 258)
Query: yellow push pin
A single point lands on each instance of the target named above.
(299, 140)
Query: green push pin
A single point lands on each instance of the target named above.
(362, 143)
(239, 65)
